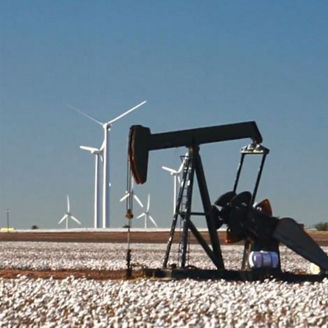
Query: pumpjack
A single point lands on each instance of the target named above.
(246, 221)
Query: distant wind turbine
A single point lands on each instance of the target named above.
(98, 155)
(68, 215)
(176, 179)
(130, 194)
(106, 180)
(147, 215)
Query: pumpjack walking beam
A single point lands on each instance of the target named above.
(141, 141)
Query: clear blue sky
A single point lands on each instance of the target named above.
(197, 63)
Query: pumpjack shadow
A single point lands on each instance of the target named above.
(253, 224)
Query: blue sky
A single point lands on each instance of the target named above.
(197, 64)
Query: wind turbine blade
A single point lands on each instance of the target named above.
(75, 219)
(62, 219)
(152, 220)
(102, 146)
(84, 114)
(169, 170)
(148, 203)
(90, 149)
(141, 215)
(138, 200)
(68, 204)
(125, 197)
(126, 113)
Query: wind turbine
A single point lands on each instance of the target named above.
(106, 180)
(98, 155)
(176, 179)
(147, 215)
(131, 195)
(68, 215)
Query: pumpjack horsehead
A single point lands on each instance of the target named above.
(254, 224)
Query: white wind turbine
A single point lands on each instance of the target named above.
(98, 155)
(131, 195)
(176, 179)
(147, 215)
(68, 215)
(106, 180)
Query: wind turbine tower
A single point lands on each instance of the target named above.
(106, 173)
(176, 179)
(98, 155)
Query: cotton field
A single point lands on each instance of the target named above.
(106, 256)
(72, 302)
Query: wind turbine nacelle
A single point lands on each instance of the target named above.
(141, 141)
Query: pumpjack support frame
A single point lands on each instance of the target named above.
(193, 166)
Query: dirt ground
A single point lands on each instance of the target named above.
(95, 236)
(62, 274)
(321, 237)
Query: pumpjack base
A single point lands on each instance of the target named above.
(231, 275)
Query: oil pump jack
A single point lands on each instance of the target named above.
(254, 224)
